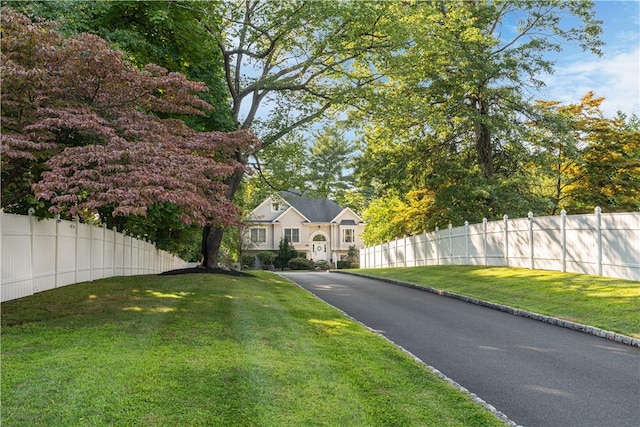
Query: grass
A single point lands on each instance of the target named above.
(606, 303)
(209, 350)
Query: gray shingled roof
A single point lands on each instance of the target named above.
(316, 210)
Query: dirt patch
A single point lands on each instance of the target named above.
(204, 270)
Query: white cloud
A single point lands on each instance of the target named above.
(614, 76)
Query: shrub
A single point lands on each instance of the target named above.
(285, 253)
(266, 259)
(301, 264)
(355, 265)
(247, 261)
(322, 265)
(343, 264)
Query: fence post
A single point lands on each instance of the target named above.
(598, 211)
(405, 250)
(450, 243)
(32, 229)
(124, 252)
(395, 261)
(415, 250)
(76, 221)
(563, 235)
(484, 235)
(531, 254)
(466, 242)
(506, 240)
(425, 248)
(437, 245)
(104, 250)
(56, 252)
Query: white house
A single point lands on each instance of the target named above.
(318, 229)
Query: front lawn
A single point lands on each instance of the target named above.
(606, 303)
(209, 350)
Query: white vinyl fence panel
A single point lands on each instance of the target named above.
(599, 244)
(42, 255)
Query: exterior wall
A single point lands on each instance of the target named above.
(598, 244)
(42, 255)
(275, 223)
(275, 232)
(264, 211)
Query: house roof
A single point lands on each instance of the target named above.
(315, 210)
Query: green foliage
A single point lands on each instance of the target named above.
(175, 35)
(584, 160)
(162, 225)
(343, 264)
(169, 34)
(329, 163)
(286, 251)
(278, 167)
(444, 131)
(301, 264)
(247, 261)
(383, 225)
(353, 253)
(321, 265)
(266, 259)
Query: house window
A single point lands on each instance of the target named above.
(348, 235)
(258, 235)
(292, 235)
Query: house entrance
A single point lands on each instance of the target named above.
(319, 248)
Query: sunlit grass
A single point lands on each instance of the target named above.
(607, 303)
(209, 350)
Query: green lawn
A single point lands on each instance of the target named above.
(209, 350)
(606, 303)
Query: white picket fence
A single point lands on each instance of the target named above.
(42, 255)
(600, 244)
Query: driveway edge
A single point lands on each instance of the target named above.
(591, 330)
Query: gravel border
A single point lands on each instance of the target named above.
(591, 330)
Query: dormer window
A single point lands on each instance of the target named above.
(277, 204)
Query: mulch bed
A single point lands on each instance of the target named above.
(204, 270)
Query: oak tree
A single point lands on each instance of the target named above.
(449, 116)
(289, 64)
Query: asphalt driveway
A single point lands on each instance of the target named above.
(536, 374)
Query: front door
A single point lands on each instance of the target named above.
(319, 251)
(319, 246)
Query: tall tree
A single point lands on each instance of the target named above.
(455, 99)
(584, 159)
(294, 59)
(165, 33)
(96, 124)
(171, 35)
(329, 163)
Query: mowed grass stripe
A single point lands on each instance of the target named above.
(202, 350)
(606, 303)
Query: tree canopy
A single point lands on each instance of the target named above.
(94, 134)
(445, 129)
(440, 94)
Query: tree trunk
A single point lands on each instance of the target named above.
(212, 236)
(484, 149)
(211, 248)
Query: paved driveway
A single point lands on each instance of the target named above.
(536, 374)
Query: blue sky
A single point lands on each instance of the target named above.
(615, 75)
